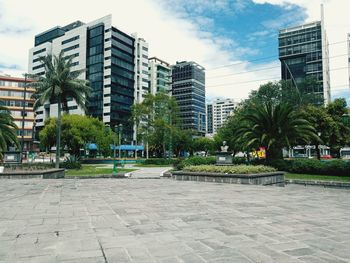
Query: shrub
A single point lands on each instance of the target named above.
(198, 160)
(29, 166)
(71, 162)
(231, 169)
(313, 166)
(160, 161)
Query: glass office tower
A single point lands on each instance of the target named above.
(188, 88)
(303, 53)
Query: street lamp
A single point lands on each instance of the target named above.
(114, 173)
(120, 139)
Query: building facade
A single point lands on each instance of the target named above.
(209, 116)
(114, 63)
(159, 76)
(303, 52)
(349, 58)
(16, 96)
(218, 112)
(141, 69)
(188, 88)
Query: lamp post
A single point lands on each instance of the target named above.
(120, 139)
(318, 147)
(114, 173)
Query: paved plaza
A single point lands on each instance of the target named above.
(161, 220)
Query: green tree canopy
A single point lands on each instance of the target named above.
(77, 131)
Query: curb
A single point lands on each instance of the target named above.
(325, 184)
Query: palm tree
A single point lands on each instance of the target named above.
(59, 84)
(274, 127)
(7, 130)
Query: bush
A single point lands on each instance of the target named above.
(160, 161)
(313, 166)
(28, 166)
(198, 160)
(71, 162)
(231, 169)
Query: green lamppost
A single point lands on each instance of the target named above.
(114, 173)
(120, 139)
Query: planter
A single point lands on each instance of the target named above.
(40, 174)
(273, 178)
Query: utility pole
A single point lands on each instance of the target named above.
(23, 115)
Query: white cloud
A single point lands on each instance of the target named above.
(171, 36)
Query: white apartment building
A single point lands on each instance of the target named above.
(141, 68)
(114, 63)
(218, 112)
(159, 76)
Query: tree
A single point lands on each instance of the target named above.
(203, 144)
(8, 130)
(273, 127)
(58, 85)
(78, 131)
(156, 118)
(47, 135)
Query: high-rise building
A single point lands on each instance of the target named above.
(159, 75)
(218, 112)
(115, 64)
(209, 116)
(188, 88)
(303, 52)
(16, 96)
(349, 58)
(141, 69)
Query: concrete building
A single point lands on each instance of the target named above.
(188, 88)
(349, 58)
(141, 69)
(209, 121)
(116, 66)
(218, 112)
(17, 98)
(159, 76)
(303, 52)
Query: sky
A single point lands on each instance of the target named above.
(235, 40)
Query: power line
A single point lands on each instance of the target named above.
(257, 80)
(265, 58)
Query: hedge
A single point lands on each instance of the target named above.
(160, 161)
(231, 169)
(313, 166)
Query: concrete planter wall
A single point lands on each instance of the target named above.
(273, 178)
(40, 174)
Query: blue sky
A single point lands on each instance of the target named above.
(251, 28)
(213, 33)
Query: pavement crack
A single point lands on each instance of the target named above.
(103, 252)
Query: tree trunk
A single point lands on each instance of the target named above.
(147, 152)
(58, 138)
(318, 152)
(274, 153)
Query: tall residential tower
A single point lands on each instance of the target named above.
(115, 64)
(160, 76)
(188, 88)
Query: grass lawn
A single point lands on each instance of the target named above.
(94, 170)
(317, 177)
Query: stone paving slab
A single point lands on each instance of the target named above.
(171, 221)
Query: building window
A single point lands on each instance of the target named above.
(70, 48)
(39, 51)
(40, 66)
(70, 40)
(145, 48)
